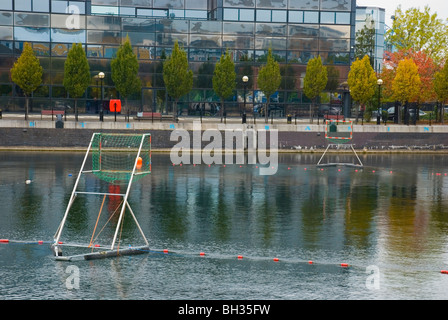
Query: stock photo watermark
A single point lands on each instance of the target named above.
(72, 281)
(260, 145)
(74, 20)
(373, 277)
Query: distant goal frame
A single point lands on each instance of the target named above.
(336, 138)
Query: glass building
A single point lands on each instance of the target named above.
(373, 17)
(295, 30)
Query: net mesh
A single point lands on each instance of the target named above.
(115, 155)
(338, 132)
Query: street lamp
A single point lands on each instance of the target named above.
(101, 77)
(245, 80)
(378, 116)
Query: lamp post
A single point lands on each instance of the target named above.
(378, 116)
(101, 77)
(245, 80)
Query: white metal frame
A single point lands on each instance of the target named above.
(125, 196)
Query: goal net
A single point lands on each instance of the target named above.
(114, 156)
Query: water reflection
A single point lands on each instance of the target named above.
(393, 214)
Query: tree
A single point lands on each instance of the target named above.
(76, 74)
(419, 30)
(27, 74)
(441, 87)
(365, 42)
(362, 81)
(177, 76)
(406, 85)
(125, 71)
(224, 77)
(315, 80)
(426, 70)
(269, 79)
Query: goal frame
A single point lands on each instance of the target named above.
(125, 204)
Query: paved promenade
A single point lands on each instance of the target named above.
(14, 120)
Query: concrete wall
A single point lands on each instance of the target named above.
(38, 133)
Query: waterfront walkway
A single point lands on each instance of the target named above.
(92, 121)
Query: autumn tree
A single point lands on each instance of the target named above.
(224, 79)
(420, 31)
(362, 81)
(269, 79)
(406, 84)
(441, 88)
(124, 69)
(27, 74)
(315, 81)
(177, 75)
(426, 70)
(76, 74)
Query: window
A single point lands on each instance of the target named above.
(278, 16)
(342, 18)
(59, 6)
(22, 5)
(327, 17)
(304, 4)
(6, 5)
(6, 18)
(31, 34)
(264, 15)
(32, 20)
(104, 10)
(41, 5)
(197, 14)
(231, 14)
(126, 11)
(295, 16)
(5, 33)
(172, 4)
(247, 15)
(311, 17)
(340, 5)
(68, 35)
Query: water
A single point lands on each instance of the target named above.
(391, 216)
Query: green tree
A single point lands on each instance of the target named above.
(125, 72)
(224, 79)
(420, 31)
(177, 76)
(441, 87)
(315, 81)
(365, 41)
(406, 85)
(27, 74)
(362, 81)
(269, 79)
(76, 74)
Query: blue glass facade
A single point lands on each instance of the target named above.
(295, 30)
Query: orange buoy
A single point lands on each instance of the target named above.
(345, 265)
(202, 253)
(240, 257)
(275, 259)
(139, 163)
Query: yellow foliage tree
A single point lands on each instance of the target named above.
(406, 84)
(362, 80)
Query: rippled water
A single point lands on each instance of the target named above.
(391, 217)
